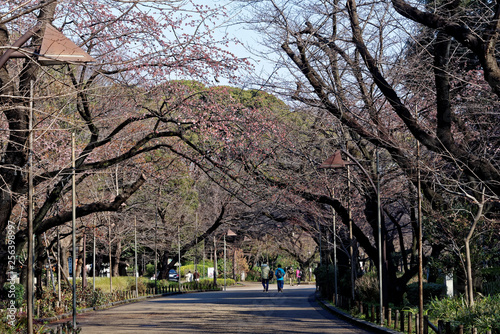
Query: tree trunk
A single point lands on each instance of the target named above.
(79, 263)
(39, 265)
(64, 259)
(165, 266)
(116, 262)
(470, 281)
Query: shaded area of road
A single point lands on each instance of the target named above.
(238, 310)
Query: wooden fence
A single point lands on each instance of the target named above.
(400, 320)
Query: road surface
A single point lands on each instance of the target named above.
(238, 310)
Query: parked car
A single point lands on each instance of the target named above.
(173, 276)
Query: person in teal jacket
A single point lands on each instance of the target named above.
(280, 277)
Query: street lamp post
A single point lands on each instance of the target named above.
(136, 269)
(379, 227)
(73, 204)
(224, 262)
(230, 234)
(335, 256)
(335, 161)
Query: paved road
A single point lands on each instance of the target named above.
(237, 310)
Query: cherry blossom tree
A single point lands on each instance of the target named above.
(126, 109)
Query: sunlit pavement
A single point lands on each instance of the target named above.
(242, 309)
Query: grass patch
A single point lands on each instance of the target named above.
(122, 283)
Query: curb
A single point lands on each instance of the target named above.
(355, 321)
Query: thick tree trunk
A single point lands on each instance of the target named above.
(165, 266)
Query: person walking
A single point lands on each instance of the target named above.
(280, 277)
(189, 277)
(299, 275)
(290, 273)
(264, 276)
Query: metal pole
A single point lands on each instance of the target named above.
(73, 204)
(320, 247)
(110, 266)
(84, 269)
(215, 261)
(224, 262)
(335, 254)
(58, 268)
(379, 224)
(93, 260)
(179, 251)
(196, 242)
(351, 250)
(420, 248)
(136, 271)
(31, 254)
(156, 249)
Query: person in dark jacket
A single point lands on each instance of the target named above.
(280, 277)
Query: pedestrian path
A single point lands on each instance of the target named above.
(241, 309)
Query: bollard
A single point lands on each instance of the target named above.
(440, 326)
(460, 329)
(396, 318)
(410, 322)
(389, 317)
(372, 318)
(402, 328)
(474, 330)
(417, 323)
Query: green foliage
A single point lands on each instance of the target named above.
(367, 288)
(491, 280)
(150, 269)
(257, 99)
(484, 315)
(253, 275)
(14, 290)
(325, 279)
(141, 286)
(431, 292)
(491, 288)
(20, 325)
(229, 281)
(162, 283)
(202, 270)
(220, 267)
